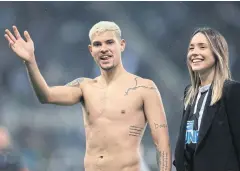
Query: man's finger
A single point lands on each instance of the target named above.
(16, 32)
(27, 36)
(10, 42)
(13, 39)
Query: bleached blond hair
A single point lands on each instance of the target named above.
(104, 26)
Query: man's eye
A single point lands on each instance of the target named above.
(110, 42)
(97, 44)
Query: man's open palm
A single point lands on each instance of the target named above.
(24, 49)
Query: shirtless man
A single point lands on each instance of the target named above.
(116, 105)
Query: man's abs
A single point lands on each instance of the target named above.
(122, 161)
(113, 146)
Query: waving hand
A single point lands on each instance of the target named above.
(23, 48)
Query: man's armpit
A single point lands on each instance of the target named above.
(75, 83)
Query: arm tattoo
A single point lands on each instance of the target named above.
(75, 83)
(162, 160)
(160, 125)
(135, 131)
(138, 86)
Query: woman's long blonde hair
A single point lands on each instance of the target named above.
(219, 48)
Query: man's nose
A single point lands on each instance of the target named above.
(104, 49)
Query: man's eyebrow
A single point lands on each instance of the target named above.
(110, 40)
(94, 42)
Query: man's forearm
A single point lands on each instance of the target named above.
(38, 83)
(164, 160)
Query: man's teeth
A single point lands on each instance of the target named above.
(105, 57)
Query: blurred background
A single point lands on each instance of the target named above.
(52, 138)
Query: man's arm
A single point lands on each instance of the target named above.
(61, 95)
(24, 49)
(154, 111)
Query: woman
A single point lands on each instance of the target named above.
(209, 137)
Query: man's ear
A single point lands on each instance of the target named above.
(90, 48)
(123, 44)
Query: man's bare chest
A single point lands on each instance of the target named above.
(116, 99)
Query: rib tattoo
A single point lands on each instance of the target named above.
(135, 131)
(138, 86)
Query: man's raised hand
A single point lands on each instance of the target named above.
(24, 49)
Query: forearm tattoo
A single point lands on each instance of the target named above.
(162, 160)
(138, 86)
(156, 125)
(135, 131)
(75, 83)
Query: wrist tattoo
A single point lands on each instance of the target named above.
(162, 160)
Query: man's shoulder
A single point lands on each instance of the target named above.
(143, 81)
(79, 81)
(146, 84)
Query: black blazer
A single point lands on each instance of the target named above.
(218, 147)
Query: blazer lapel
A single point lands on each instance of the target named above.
(185, 118)
(208, 115)
(183, 127)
